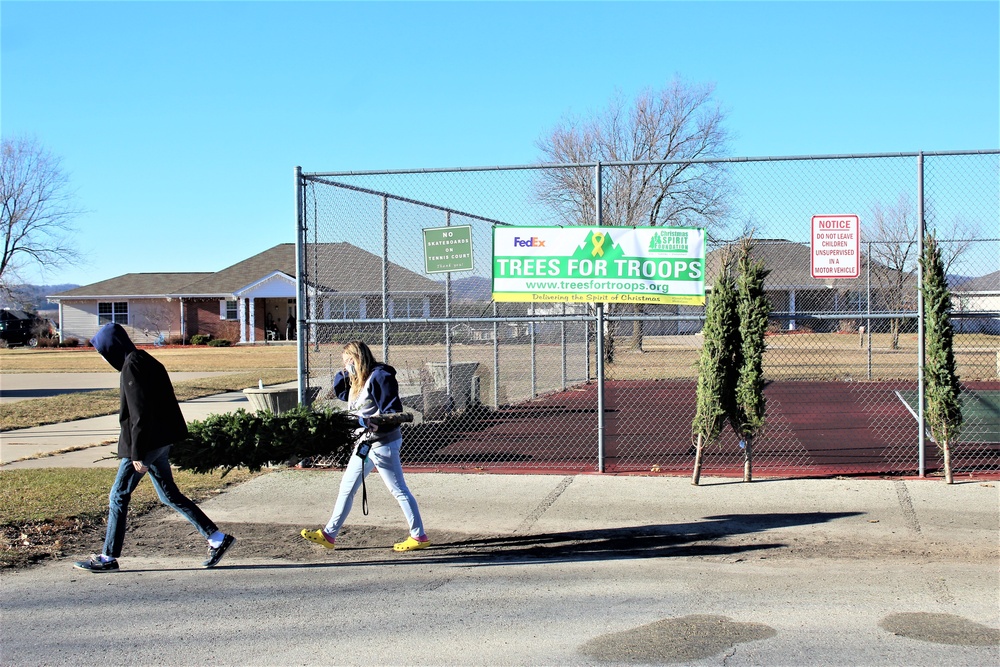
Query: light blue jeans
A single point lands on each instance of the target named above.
(384, 456)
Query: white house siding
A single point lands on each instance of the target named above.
(79, 320)
(146, 316)
(971, 302)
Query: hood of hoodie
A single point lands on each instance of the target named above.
(113, 344)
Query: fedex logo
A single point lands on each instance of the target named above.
(533, 242)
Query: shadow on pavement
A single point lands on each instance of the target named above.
(703, 538)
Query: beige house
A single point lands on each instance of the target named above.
(794, 292)
(252, 301)
(977, 295)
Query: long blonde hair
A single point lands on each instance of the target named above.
(364, 362)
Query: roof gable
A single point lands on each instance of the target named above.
(133, 285)
(790, 266)
(277, 284)
(337, 267)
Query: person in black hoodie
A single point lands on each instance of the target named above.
(151, 420)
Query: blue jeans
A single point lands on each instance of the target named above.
(386, 457)
(163, 481)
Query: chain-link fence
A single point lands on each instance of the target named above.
(611, 387)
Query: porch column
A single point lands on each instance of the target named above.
(791, 309)
(253, 321)
(243, 320)
(312, 316)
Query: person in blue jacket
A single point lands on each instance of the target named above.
(370, 389)
(151, 420)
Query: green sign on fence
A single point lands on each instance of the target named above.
(591, 264)
(448, 249)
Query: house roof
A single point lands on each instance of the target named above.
(338, 267)
(988, 283)
(133, 285)
(789, 264)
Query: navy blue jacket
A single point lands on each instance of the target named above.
(384, 388)
(383, 396)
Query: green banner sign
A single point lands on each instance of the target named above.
(590, 264)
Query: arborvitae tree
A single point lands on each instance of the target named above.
(716, 368)
(941, 385)
(753, 309)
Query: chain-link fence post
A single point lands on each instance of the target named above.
(599, 206)
(562, 350)
(534, 353)
(921, 398)
(385, 279)
(447, 314)
(868, 300)
(300, 309)
(496, 359)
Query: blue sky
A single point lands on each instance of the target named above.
(180, 123)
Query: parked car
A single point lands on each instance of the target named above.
(18, 327)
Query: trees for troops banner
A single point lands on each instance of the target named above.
(590, 264)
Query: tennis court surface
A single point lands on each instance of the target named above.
(980, 414)
(813, 428)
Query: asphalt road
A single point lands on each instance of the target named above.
(590, 611)
(541, 570)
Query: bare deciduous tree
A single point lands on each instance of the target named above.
(38, 211)
(892, 232)
(658, 133)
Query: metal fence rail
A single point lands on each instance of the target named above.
(610, 387)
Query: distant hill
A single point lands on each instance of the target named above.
(32, 297)
(473, 288)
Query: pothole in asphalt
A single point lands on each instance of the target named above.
(675, 640)
(941, 629)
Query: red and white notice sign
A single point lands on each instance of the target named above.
(836, 246)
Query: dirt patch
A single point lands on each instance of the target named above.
(159, 533)
(675, 640)
(941, 629)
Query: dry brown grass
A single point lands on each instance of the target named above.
(273, 364)
(798, 356)
(186, 358)
(47, 512)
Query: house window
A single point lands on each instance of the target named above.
(409, 307)
(347, 309)
(229, 309)
(108, 311)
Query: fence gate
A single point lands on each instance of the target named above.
(610, 387)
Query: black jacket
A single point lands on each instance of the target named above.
(149, 415)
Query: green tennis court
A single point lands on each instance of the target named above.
(980, 414)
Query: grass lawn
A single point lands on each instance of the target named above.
(175, 359)
(46, 510)
(272, 364)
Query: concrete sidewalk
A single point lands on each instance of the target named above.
(889, 513)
